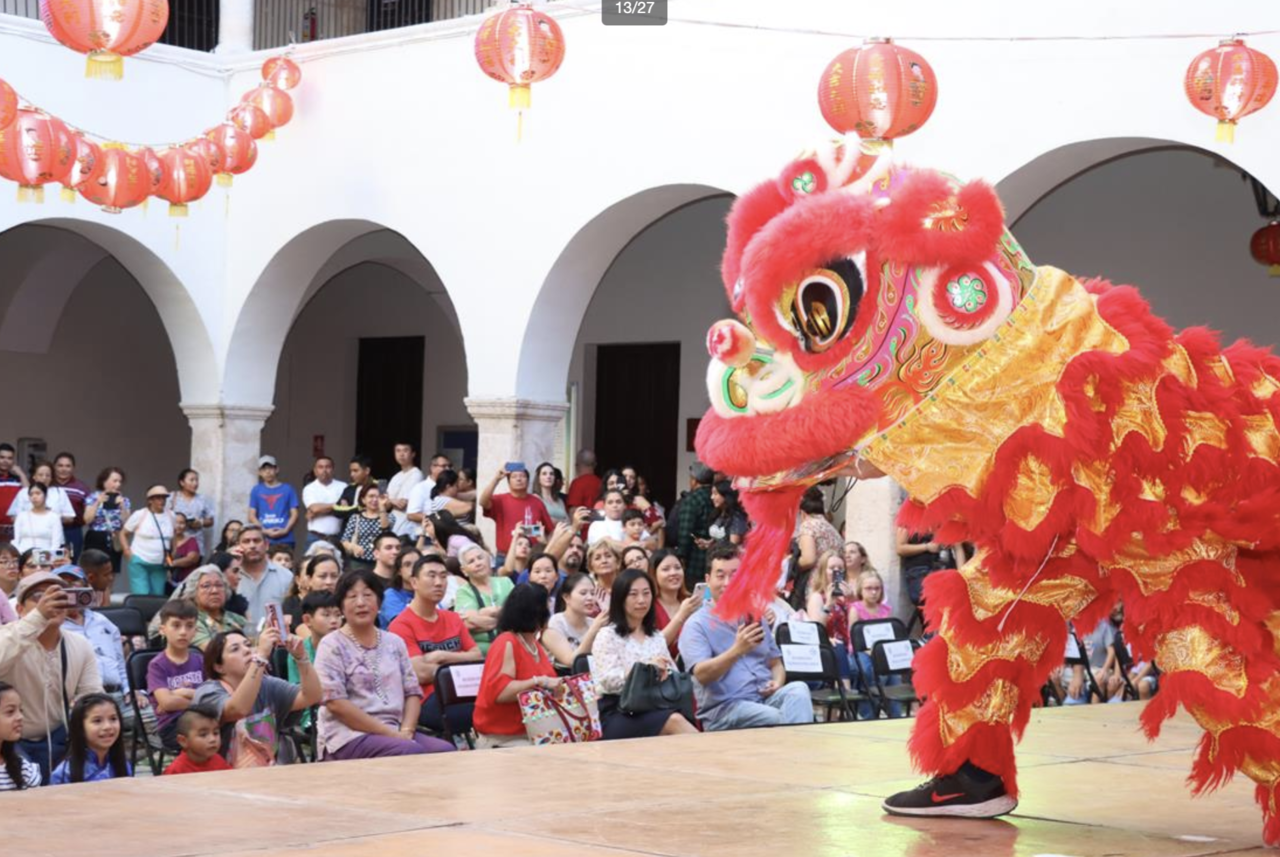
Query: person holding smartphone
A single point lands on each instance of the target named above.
(105, 511)
(516, 511)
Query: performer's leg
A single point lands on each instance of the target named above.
(979, 677)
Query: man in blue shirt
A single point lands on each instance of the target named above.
(739, 678)
(273, 505)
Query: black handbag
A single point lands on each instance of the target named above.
(644, 692)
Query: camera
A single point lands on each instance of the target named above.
(40, 556)
(80, 597)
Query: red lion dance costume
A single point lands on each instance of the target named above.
(1089, 452)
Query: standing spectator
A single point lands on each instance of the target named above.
(273, 505)
(518, 509)
(363, 529)
(630, 638)
(30, 661)
(37, 526)
(101, 634)
(147, 543)
(693, 519)
(815, 535)
(197, 507)
(12, 481)
(95, 750)
(729, 521)
(434, 638)
(261, 582)
(230, 535)
(105, 511)
(738, 675)
(56, 498)
(186, 549)
(319, 496)
(549, 488)
(352, 499)
(585, 487)
(445, 496)
(516, 662)
(372, 698)
(174, 674)
(64, 477)
(420, 503)
(672, 603)
(401, 487)
(480, 600)
(16, 770)
(252, 705)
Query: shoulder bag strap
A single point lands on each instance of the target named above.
(164, 544)
(62, 656)
(479, 604)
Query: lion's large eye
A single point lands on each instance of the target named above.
(825, 302)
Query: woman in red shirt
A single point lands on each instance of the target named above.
(516, 662)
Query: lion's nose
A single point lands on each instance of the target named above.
(731, 343)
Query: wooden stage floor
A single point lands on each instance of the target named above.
(1091, 786)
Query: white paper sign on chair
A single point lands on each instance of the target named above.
(466, 679)
(899, 655)
(876, 632)
(804, 633)
(801, 659)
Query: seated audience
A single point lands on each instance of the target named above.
(434, 638)
(612, 528)
(372, 696)
(672, 603)
(174, 674)
(856, 560)
(397, 596)
(516, 662)
(10, 574)
(479, 601)
(729, 521)
(828, 604)
(198, 736)
(103, 635)
(870, 605)
(207, 589)
(737, 669)
(603, 564)
(18, 772)
(543, 571)
(230, 535)
(630, 638)
(634, 556)
(252, 705)
(572, 631)
(517, 561)
(96, 749)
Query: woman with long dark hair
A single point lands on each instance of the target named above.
(105, 511)
(95, 746)
(18, 772)
(548, 486)
(729, 523)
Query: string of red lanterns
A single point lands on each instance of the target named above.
(37, 149)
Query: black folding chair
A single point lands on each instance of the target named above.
(147, 605)
(156, 751)
(456, 709)
(1124, 662)
(863, 636)
(832, 694)
(1076, 655)
(129, 622)
(895, 658)
(581, 665)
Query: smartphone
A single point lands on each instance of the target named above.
(703, 592)
(515, 467)
(535, 531)
(275, 618)
(596, 515)
(79, 597)
(838, 577)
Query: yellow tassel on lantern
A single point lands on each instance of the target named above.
(178, 209)
(145, 203)
(876, 146)
(31, 193)
(1226, 132)
(520, 96)
(270, 135)
(104, 65)
(1274, 271)
(68, 194)
(224, 179)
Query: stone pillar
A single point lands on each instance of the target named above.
(235, 26)
(226, 441)
(871, 512)
(513, 430)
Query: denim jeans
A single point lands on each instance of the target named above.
(788, 705)
(865, 709)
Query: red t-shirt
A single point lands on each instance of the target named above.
(507, 513)
(503, 718)
(584, 491)
(10, 485)
(184, 765)
(446, 634)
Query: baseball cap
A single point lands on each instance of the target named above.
(31, 581)
(267, 461)
(73, 571)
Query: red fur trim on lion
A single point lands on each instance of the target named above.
(747, 217)
(774, 515)
(902, 235)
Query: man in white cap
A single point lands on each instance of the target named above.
(273, 505)
(49, 668)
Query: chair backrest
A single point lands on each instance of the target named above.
(581, 664)
(137, 667)
(792, 632)
(1075, 654)
(1124, 658)
(147, 605)
(457, 683)
(127, 619)
(894, 657)
(865, 634)
(810, 663)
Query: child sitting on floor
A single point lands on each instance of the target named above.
(199, 737)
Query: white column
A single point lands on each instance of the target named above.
(871, 512)
(226, 441)
(235, 26)
(513, 430)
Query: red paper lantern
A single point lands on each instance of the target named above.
(1265, 247)
(155, 170)
(251, 119)
(210, 151)
(8, 105)
(123, 181)
(281, 72)
(1228, 83)
(87, 167)
(238, 149)
(35, 150)
(187, 178)
(106, 30)
(880, 91)
(519, 46)
(274, 102)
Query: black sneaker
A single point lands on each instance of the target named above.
(959, 795)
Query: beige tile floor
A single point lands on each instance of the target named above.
(1091, 786)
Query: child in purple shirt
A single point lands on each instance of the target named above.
(174, 674)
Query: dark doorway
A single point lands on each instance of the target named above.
(389, 14)
(638, 412)
(388, 399)
(193, 24)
